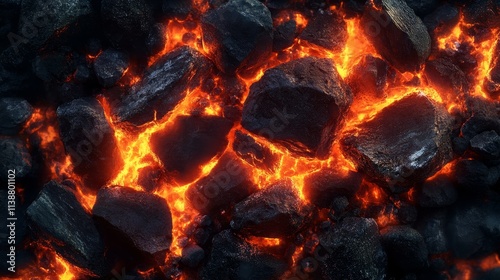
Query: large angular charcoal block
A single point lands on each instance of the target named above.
(14, 112)
(15, 156)
(405, 247)
(233, 258)
(445, 76)
(323, 186)
(397, 34)
(89, 140)
(327, 30)
(57, 217)
(109, 67)
(143, 219)
(352, 251)
(163, 86)
(437, 192)
(274, 212)
(238, 34)
(402, 146)
(298, 104)
(228, 183)
(486, 145)
(189, 143)
(474, 177)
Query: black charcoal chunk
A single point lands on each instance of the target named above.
(238, 34)
(422, 8)
(189, 143)
(58, 218)
(156, 39)
(284, 35)
(14, 112)
(273, 212)
(253, 152)
(445, 76)
(437, 192)
(405, 247)
(89, 140)
(442, 20)
(473, 176)
(192, 256)
(162, 87)
(371, 77)
(141, 218)
(432, 227)
(484, 117)
(328, 30)
(109, 67)
(397, 34)
(486, 145)
(299, 104)
(233, 258)
(401, 146)
(177, 8)
(15, 156)
(352, 250)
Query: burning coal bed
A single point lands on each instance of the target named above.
(246, 139)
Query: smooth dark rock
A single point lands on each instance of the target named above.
(299, 104)
(276, 211)
(162, 87)
(109, 67)
(473, 176)
(14, 155)
(437, 192)
(397, 34)
(401, 146)
(284, 35)
(486, 145)
(58, 218)
(141, 218)
(432, 227)
(371, 77)
(328, 30)
(238, 34)
(14, 112)
(352, 250)
(233, 258)
(405, 247)
(446, 77)
(228, 183)
(253, 152)
(89, 140)
(189, 143)
(192, 256)
(323, 186)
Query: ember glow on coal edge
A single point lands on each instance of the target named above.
(246, 139)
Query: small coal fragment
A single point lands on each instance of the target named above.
(422, 8)
(323, 186)
(432, 227)
(484, 117)
(405, 247)
(370, 77)
(445, 76)
(89, 140)
(15, 156)
(150, 178)
(109, 67)
(352, 250)
(192, 256)
(473, 176)
(298, 104)
(233, 258)
(126, 22)
(284, 35)
(486, 145)
(442, 20)
(14, 112)
(238, 34)
(437, 192)
(492, 81)
(397, 34)
(273, 212)
(141, 218)
(228, 183)
(189, 143)
(328, 30)
(401, 146)
(57, 217)
(252, 152)
(163, 86)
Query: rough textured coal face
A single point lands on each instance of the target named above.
(298, 104)
(437, 192)
(276, 211)
(14, 112)
(14, 155)
(89, 140)
(432, 227)
(492, 81)
(323, 186)
(401, 146)
(370, 77)
(190, 142)
(126, 22)
(228, 183)
(486, 145)
(192, 256)
(58, 217)
(253, 152)
(397, 34)
(446, 77)
(239, 35)
(483, 117)
(474, 177)
(141, 218)
(405, 247)
(233, 258)
(284, 35)
(327, 30)
(352, 250)
(109, 67)
(163, 86)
